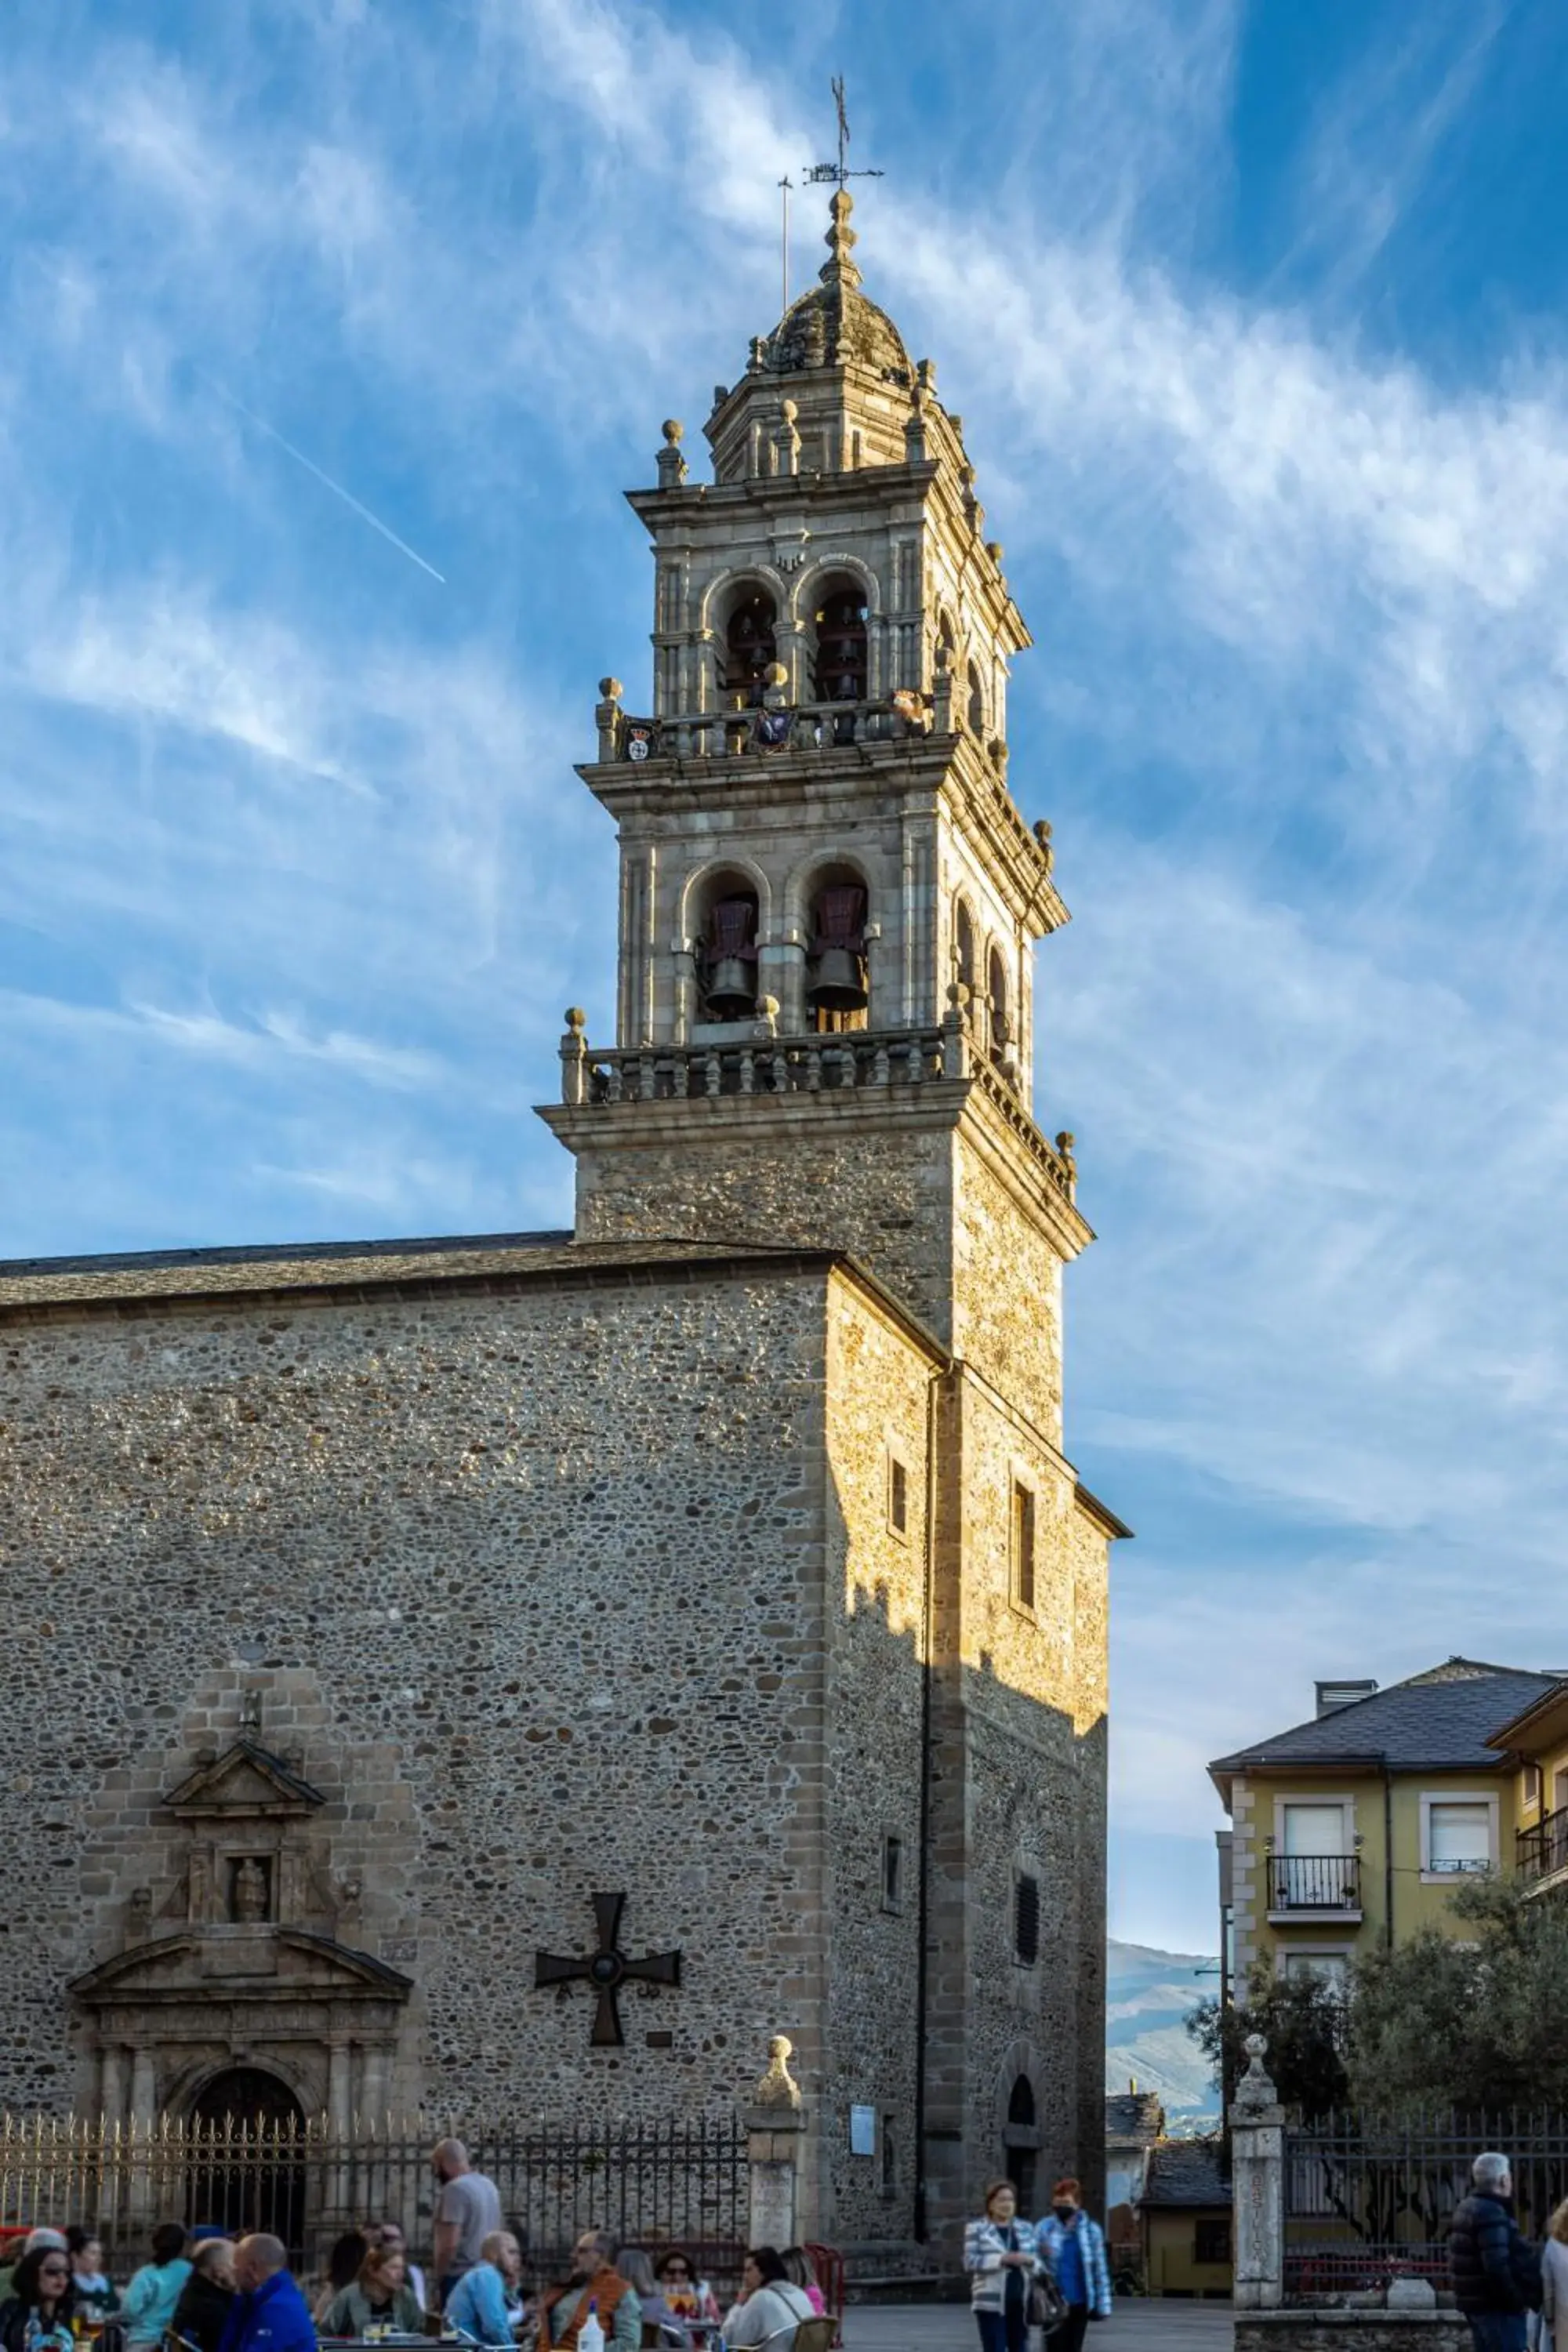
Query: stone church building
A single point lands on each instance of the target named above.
(525, 1671)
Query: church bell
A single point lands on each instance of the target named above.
(729, 986)
(838, 981)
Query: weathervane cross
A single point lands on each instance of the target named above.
(839, 173)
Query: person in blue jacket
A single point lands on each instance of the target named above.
(1075, 2248)
(478, 2307)
(270, 2313)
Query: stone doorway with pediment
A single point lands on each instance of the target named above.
(235, 1960)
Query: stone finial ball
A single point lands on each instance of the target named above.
(776, 674)
(789, 411)
(576, 1019)
(768, 1007)
(1255, 2046)
(994, 550)
(672, 429)
(958, 993)
(611, 689)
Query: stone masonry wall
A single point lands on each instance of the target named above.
(528, 1577)
(885, 1198)
(878, 1392)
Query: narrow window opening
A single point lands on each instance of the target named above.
(976, 702)
(1026, 1940)
(1023, 1545)
(898, 1495)
(890, 2158)
(892, 1872)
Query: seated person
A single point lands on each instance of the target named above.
(206, 2299)
(771, 2306)
(594, 2285)
(380, 2297)
(95, 2295)
(484, 2304)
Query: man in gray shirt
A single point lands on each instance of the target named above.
(467, 2210)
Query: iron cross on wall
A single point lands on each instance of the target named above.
(607, 1969)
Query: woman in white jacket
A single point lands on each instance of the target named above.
(1554, 2334)
(1002, 2258)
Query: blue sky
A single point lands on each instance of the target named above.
(1255, 317)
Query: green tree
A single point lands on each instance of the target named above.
(1302, 2019)
(1466, 2022)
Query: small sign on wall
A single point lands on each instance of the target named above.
(862, 2131)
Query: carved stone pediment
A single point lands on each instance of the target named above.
(245, 1782)
(239, 1964)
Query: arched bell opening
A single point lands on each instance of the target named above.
(728, 921)
(1002, 1037)
(751, 646)
(964, 945)
(246, 2166)
(841, 658)
(837, 973)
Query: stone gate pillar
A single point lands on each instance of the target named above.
(774, 2122)
(1257, 2180)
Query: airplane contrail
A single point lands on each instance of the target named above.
(311, 467)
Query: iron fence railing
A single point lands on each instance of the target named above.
(652, 2183)
(1314, 1882)
(1366, 2200)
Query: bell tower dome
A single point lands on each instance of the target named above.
(829, 900)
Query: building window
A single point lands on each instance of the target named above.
(892, 1873)
(1560, 1790)
(1458, 1836)
(898, 1495)
(1328, 1968)
(1023, 1547)
(1532, 1787)
(1026, 1921)
(1211, 2241)
(890, 2158)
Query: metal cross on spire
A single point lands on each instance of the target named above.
(839, 173)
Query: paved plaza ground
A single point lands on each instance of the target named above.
(948, 2327)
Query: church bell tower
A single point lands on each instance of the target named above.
(828, 897)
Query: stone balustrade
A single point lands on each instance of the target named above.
(758, 1061)
(772, 726)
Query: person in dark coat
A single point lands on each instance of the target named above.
(207, 2296)
(1495, 2273)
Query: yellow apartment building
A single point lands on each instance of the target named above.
(1351, 1829)
(1534, 1746)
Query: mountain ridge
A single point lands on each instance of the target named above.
(1148, 1996)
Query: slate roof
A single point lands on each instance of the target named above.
(1440, 1718)
(1136, 2115)
(1185, 2172)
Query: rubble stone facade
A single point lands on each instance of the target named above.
(380, 1604)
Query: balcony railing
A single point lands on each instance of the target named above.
(1314, 1882)
(1542, 1851)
